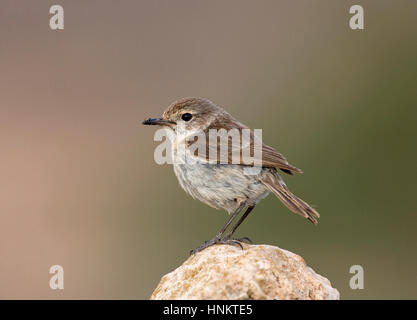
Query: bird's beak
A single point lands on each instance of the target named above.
(157, 122)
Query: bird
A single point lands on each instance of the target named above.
(225, 184)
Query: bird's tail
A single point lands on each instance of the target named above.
(276, 185)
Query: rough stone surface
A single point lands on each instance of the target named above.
(257, 272)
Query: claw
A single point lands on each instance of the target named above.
(244, 239)
(204, 245)
(226, 240)
(234, 242)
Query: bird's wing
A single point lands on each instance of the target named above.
(238, 153)
(273, 159)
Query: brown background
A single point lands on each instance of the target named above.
(79, 186)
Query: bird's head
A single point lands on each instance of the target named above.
(188, 115)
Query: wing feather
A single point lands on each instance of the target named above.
(270, 157)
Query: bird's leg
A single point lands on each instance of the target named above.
(218, 237)
(229, 221)
(243, 217)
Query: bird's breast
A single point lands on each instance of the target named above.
(222, 186)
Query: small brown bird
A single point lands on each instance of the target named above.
(225, 185)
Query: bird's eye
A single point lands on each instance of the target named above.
(186, 116)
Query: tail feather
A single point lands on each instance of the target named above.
(292, 202)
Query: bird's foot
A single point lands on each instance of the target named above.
(225, 240)
(205, 244)
(244, 240)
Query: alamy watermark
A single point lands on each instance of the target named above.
(57, 280)
(56, 22)
(357, 280)
(234, 146)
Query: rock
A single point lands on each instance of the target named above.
(257, 272)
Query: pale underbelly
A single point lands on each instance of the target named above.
(220, 186)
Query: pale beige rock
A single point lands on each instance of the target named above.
(257, 272)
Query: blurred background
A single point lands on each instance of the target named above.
(79, 185)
